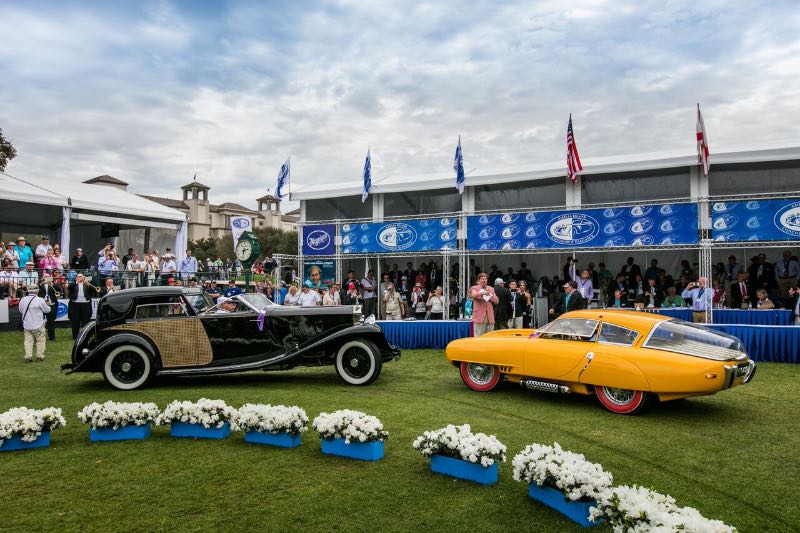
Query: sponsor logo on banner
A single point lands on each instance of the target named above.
(487, 233)
(670, 224)
(427, 235)
(397, 236)
(615, 241)
(643, 240)
(62, 310)
(612, 212)
(448, 234)
(642, 226)
(534, 231)
(787, 219)
(666, 210)
(753, 223)
(640, 210)
(318, 240)
(489, 245)
(727, 236)
(752, 205)
(573, 228)
(530, 217)
(725, 222)
(509, 232)
(510, 245)
(447, 222)
(508, 218)
(614, 227)
(486, 219)
(348, 227)
(721, 207)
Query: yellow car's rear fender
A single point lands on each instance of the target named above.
(611, 371)
(503, 350)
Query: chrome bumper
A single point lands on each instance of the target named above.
(746, 371)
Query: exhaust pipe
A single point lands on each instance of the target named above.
(543, 386)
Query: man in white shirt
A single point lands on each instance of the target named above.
(702, 298)
(309, 298)
(368, 293)
(188, 265)
(43, 248)
(167, 267)
(33, 310)
(11, 253)
(8, 280)
(133, 271)
(28, 276)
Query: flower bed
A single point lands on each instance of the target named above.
(562, 480)
(277, 425)
(119, 420)
(637, 509)
(202, 419)
(21, 427)
(457, 452)
(351, 434)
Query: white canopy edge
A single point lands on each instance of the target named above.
(107, 200)
(597, 166)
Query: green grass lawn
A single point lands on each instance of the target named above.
(734, 455)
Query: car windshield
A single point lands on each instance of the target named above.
(580, 329)
(256, 300)
(690, 339)
(248, 302)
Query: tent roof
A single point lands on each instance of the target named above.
(605, 165)
(106, 200)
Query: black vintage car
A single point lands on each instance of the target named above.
(155, 331)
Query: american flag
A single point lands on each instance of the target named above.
(702, 143)
(573, 159)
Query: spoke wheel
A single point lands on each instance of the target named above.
(358, 362)
(622, 401)
(480, 377)
(128, 367)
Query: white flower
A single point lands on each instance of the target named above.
(637, 509)
(270, 419)
(118, 415)
(29, 423)
(350, 426)
(209, 413)
(459, 442)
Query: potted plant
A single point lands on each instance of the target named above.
(635, 508)
(456, 451)
(276, 425)
(119, 420)
(203, 419)
(22, 428)
(561, 479)
(351, 434)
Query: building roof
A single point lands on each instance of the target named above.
(605, 165)
(169, 202)
(231, 206)
(294, 213)
(195, 185)
(266, 197)
(294, 219)
(105, 178)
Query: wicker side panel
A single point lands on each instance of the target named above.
(181, 342)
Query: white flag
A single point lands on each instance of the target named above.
(238, 226)
(702, 143)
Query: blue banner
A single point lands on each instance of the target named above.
(756, 220)
(400, 236)
(319, 239)
(641, 225)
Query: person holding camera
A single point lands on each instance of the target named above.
(518, 305)
(436, 304)
(392, 302)
(702, 298)
(34, 309)
(50, 293)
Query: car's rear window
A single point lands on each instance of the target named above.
(688, 338)
(613, 334)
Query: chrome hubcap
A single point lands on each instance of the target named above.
(126, 367)
(619, 396)
(480, 374)
(354, 362)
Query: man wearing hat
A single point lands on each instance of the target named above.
(24, 252)
(79, 260)
(226, 305)
(43, 248)
(28, 276)
(12, 255)
(572, 300)
(33, 309)
(502, 309)
(232, 289)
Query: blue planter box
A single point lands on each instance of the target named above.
(123, 433)
(554, 498)
(365, 451)
(197, 431)
(16, 443)
(284, 440)
(449, 466)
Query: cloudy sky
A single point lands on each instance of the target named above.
(152, 92)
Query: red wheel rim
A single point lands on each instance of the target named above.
(480, 377)
(622, 401)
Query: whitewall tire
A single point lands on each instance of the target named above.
(358, 362)
(128, 367)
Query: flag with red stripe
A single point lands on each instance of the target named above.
(573, 159)
(702, 143)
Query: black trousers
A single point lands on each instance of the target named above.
(369, 307)
(79, 315)
(51, 321)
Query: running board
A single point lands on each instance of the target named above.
(543, 386)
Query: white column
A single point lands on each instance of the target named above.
(66, 212)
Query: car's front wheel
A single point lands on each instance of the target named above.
(358, 362)
(480, 377)
(128, 367)
(622, 401)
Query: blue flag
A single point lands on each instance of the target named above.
(367, 179)
(458, 166)
(282, 187)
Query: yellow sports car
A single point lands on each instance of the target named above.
(625, 358)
